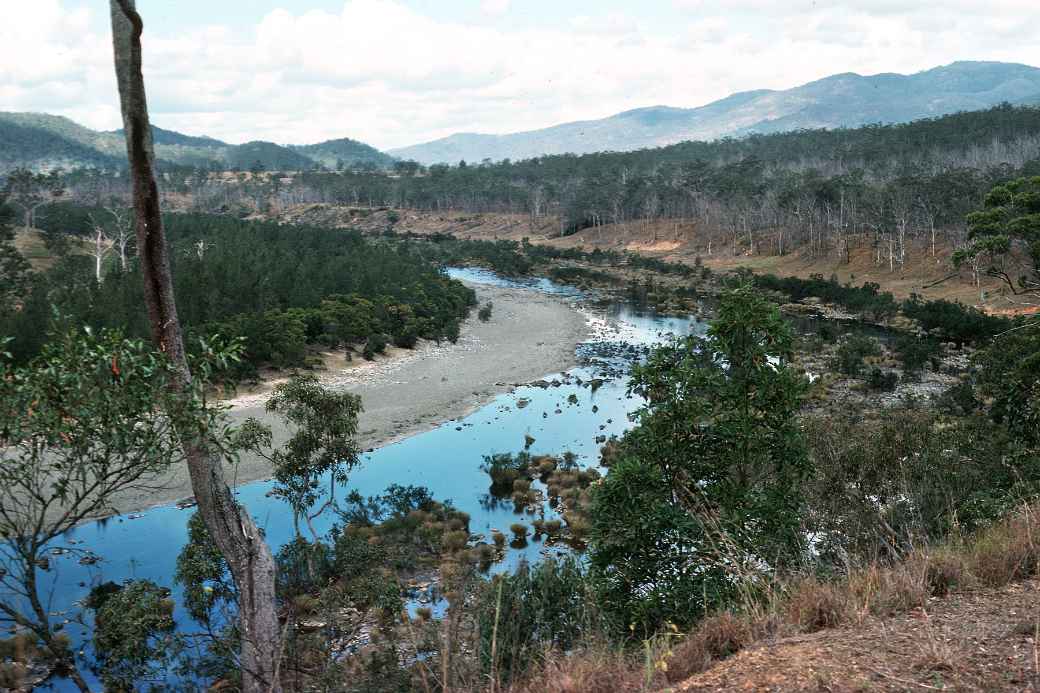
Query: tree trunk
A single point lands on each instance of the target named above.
(233, 530)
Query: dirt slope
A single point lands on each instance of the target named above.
(980, 640)
(683, 241)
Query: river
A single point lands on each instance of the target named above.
(446, 460)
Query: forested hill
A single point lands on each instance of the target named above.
(843, 100)
(812, 187)
(40, 141)
(336, 154)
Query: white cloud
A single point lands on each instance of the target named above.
(495, 8)
(386, 74)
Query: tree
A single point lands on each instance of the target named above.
(101, 248)
(94, 415)
(323, 449)
(15, 270)
(1006, 235)
(122, 233)
(233, 530)
(711, 474)
(30, 191)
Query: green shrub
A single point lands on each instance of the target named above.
(878, 379)
(522, 616)
(376, 344)
(851, 353)
(915, 352)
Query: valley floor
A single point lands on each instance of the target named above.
(528, 336)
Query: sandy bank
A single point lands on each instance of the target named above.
(529, 335)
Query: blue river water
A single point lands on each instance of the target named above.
(446, 460)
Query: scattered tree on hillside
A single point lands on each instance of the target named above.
(14, 268)
(29, 191)
(1005, 235)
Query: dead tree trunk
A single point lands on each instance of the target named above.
(232, 529)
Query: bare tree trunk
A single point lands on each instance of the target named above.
(233, 530)
(100, 250)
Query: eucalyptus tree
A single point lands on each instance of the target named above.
(1005, 234)
(94, 415)
(233, 531)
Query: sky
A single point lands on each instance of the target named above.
(397, 72)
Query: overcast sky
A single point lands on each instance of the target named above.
(398, 72)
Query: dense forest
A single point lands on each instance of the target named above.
(278, 288)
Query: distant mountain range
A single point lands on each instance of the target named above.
(843, 100)
(43, 142)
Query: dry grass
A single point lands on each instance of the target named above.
(996, 557)
(588, 671)
(715, 638)
(813, 605)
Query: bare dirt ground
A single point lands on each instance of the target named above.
(684, 241)
(977, 640)
(528, 336)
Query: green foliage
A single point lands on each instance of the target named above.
(1009, 374)
(1009, 221)
(133, 633)
(954, 322)
(202, 572)
(485, 312)
(96, 414)
(15, 277)
(886, 485)
(916, 352)
(711, 475)
(878, 379)
(866, 299)
(323, 447)
(375, 344)
(650, 558)
(851, 352)
(504, 469)
(280, 289)
(521, 615)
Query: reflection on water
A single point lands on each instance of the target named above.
(446, 459)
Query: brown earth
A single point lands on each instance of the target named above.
(978, 640)
(929, 276)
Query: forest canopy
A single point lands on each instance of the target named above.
(279, 288)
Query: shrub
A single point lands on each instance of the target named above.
(915, 352)
(485, 312)
(954, 322)
(851, 352)
(878, 379)
(406, 339)
(521, 616)
(376, 344)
